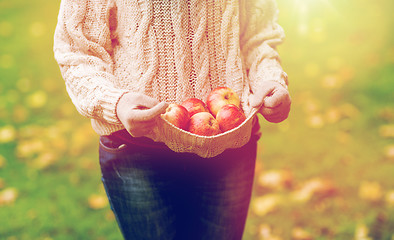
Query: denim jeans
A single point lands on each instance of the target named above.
(159, 194)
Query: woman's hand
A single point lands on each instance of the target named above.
(138, 113)
(273, 101)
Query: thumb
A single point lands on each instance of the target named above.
(256, 99)
(149, 102)
(149, 114)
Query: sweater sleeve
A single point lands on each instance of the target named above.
(260, 34)
(82, 48)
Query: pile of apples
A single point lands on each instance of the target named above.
(221, 112)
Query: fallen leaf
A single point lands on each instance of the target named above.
(311, 105)
(343, 137)
(389, 152)
(37, 99)
(97, 201)
(80, 140)
(333, 115)
(349, 110)
(276, 179)
(23, 84)
(28, 148)
(8, 196)
(361, 232)
(387, 114)
(315, 121)
(266, 204)
(387, 131)
(45, 160)
(7, 134)
(19, 114)
(315, 187)
(37, 29)
(110, 216)
(300, 234)
(347, 73)
(265, 233)
(370, 191)
(389, 198)
(331, 82)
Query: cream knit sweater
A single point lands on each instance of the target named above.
(167, 49)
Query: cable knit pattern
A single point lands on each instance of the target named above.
(167, 49)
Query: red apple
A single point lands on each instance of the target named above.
(221, 96)
(177, 115)
(194, 105)
(203, 123)
(229, 117)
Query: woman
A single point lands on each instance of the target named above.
(123, 61)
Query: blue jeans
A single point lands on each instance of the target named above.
(159, 194)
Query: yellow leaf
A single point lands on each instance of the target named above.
(370, 191)
(390, 198)
(347, 73)
(389, 152)
(331, 82)
(7, 134)
(265, 233)
(343, 137)
(8, 196)
(38, 99)
(266, 204)
(349, 110)
(361, 232)
(300, 234)
(276, 179)
(387, 131)
(97, 201)
(333, 115)
(387, 114)
(28, 148)
(45, 160)
(315, 121)
(37, 29)
(311, 105)
(23, 84)
(110, 216)
(314, 187)
(19, 114)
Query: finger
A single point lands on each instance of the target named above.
(278, 97)
(269, 111)
(151, 113)
(142, 129)
(274, 115)
(273, 101)
(276, 119)
(256, 99)
(147, 102)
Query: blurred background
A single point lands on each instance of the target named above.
(325, 173)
